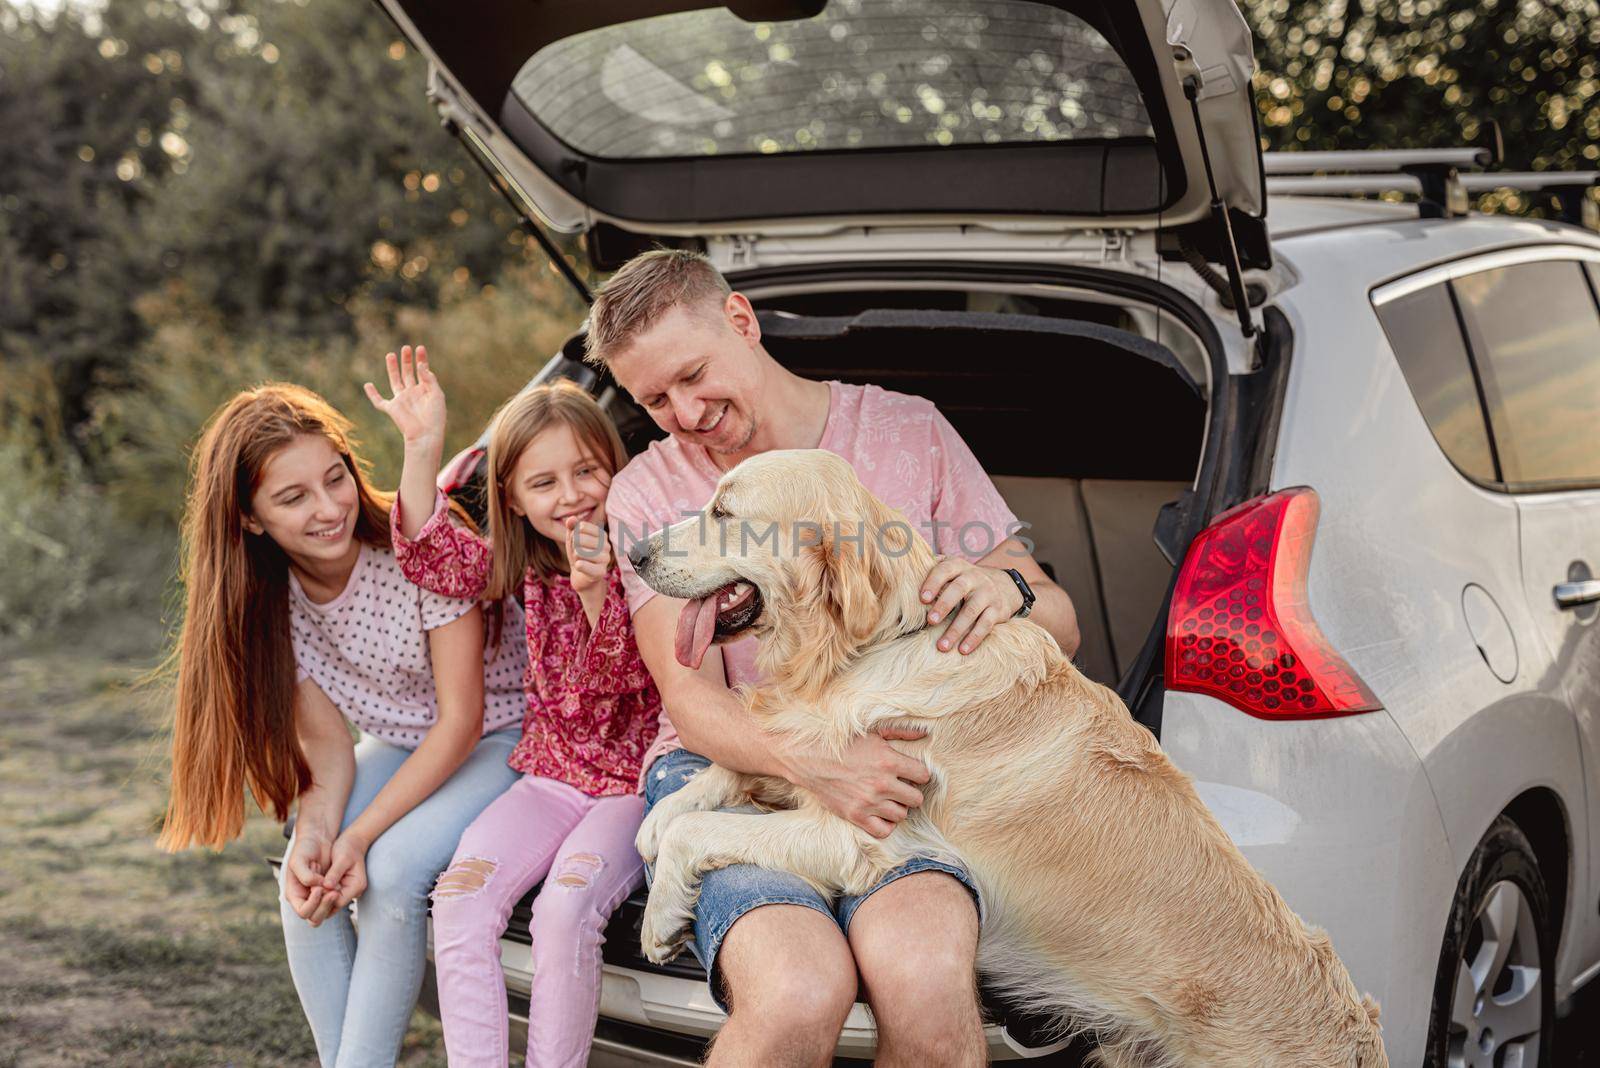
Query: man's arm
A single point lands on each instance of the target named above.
(987, 596)
(708, 717)
(871, 784)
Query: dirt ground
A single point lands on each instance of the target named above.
(114, 952)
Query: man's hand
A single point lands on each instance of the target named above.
(987, 596)
(872, 785)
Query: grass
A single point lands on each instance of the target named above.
(118, 954)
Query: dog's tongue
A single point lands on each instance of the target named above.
(695, 624)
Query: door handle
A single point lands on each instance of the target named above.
(1575, 594)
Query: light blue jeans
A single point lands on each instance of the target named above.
(358, 993)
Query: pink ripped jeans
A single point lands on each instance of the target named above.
(585, 845)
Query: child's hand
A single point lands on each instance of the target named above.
(346, 878)
(417, 408)
(588, 556)
(303, 871)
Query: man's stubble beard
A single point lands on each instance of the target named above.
(743, 442)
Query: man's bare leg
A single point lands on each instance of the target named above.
(791, 982)
(916, 944)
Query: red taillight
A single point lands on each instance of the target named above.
(1241, 627)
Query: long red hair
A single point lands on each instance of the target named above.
(234, 726)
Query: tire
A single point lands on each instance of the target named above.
(1497, 965)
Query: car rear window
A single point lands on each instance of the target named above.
(1426, 338)
(862, 74)
(1535, 332)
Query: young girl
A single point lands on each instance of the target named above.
(299, 623)
(592, 709)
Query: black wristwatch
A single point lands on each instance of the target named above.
(1025, 590)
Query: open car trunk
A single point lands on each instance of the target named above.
(1089, 428)
(676, 117)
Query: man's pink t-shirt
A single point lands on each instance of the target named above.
(902, 449)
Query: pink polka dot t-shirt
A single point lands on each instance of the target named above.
(368, 651)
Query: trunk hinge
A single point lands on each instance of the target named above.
(741, 252)
(1114, 246)
(1219, 210)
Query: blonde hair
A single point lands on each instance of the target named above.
(516, 546)
(642, 291)
(233, 726)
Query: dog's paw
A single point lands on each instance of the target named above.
(664, 952)
(648, 840)
(663, 932)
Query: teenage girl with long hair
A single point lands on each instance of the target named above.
(298, 626)
(592, 709)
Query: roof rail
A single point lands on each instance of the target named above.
(1530, 180)
(1377, 161)
(1570, 189)
(1431, 173)
(1343, 184)
(1291, 178)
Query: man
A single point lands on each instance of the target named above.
(689, 351)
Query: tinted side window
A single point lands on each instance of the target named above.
(1426, 338)
(1535, 332)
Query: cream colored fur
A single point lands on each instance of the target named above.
(1113, 900)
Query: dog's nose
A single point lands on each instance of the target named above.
(639, 555)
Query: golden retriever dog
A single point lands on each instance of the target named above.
(1112, 900)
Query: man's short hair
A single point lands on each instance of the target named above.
(642, 291)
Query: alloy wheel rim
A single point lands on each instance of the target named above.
(1497, 1008)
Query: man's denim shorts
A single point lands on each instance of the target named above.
(728, 893)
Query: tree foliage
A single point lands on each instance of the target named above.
(1432, 73)
(274, 162)
(317, 173)
(83, 114)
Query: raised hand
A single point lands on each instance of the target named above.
(417, 407)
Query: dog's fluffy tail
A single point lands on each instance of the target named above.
(1028, 986)
(1032, 988)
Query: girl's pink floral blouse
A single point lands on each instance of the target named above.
(593, 709)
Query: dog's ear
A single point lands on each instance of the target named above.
(856, 567)
(851, 582)
(873, 566)
(847, 579)
(807, 644)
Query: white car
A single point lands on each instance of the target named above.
(1335, 547)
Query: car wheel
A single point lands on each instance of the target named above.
(1494, 998)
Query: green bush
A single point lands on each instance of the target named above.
(44, 539)
(66, 549)
(485, 343)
